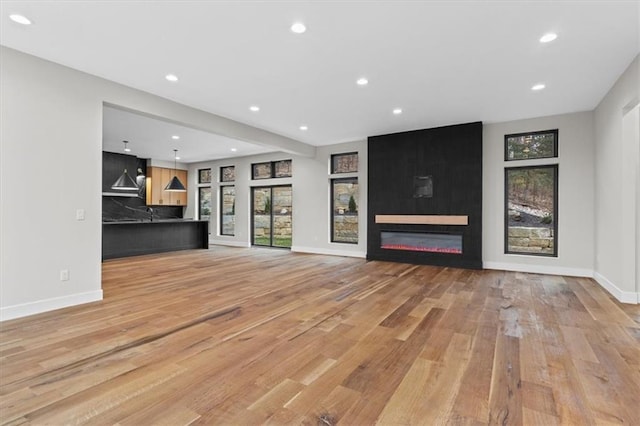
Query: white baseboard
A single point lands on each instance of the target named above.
(37, 307)
(539, 269)
(229, 243)
(622, 296)
(330, 252)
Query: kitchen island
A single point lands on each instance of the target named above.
(124, 238)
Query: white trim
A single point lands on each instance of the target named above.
(229, 243)
(330, 252)
(37, 307)
(622, 296)
(539, 269)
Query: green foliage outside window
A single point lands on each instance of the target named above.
(526, 146)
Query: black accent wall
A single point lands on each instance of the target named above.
(452, 157)
(121, 208)
(114, 164)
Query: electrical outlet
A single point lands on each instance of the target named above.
(64, 275)
(80, 214)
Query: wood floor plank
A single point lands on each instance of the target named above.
(472, 400)
(505, 400)
(572, 404)
(426, 394)
(161, 415)
(260, 336)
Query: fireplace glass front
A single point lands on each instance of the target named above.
(422, 241)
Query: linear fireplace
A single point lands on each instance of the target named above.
(421, 241)
(424, 196)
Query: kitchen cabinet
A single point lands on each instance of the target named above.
(121, 239)
(157, 179)
(179, 198)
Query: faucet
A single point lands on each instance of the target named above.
(150, 210)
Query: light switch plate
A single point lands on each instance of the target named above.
(80, 214)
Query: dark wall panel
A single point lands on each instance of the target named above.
(114, 164)
(452, 156)
(116, 208)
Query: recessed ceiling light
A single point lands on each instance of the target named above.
(362, 81)
(298, 28)
(548, 37)
(171, 77)
(176, 137)
(254, 108)
(538, 86)
(234, 149)
(304, 128)
(20, 19)
(397, 111)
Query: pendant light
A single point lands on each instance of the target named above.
(125, 182)
(174, 184)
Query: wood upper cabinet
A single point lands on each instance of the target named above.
(157, 179)
(154, 186)
(178, 198)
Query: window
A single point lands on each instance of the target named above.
(282, 168)
(527, 146)
(227, 174)
(344, 210)
(204, 202)
(272, 216)
(271, 169)
(204, 176)
(531, 210)
(227, 210)
(204, 194)
(261, 171)
(344, 163)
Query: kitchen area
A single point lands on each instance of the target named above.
(150, 200)
(143, 208)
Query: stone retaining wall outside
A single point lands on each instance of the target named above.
(531, 240)
(345, 228)
(281, 225)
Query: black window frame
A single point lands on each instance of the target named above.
(200, 180)
(199, 201)
(332, 207)
(222, 177)
(271, 216)
(540, 132)
(222, 209)
(273, 174)
(344, 154)
(555, 168)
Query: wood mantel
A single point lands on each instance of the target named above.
(422, 219)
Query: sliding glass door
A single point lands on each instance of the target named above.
(271, 216)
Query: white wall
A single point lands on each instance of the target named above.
(50, 158)
(311, 201)
(51, 162)
(167, 164)
(616, 187)
(575, 195)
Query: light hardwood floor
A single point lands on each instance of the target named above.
(252, 336)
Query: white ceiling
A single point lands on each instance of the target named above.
(152, 138)
(442, 62)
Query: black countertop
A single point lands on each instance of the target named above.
(149, 222)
